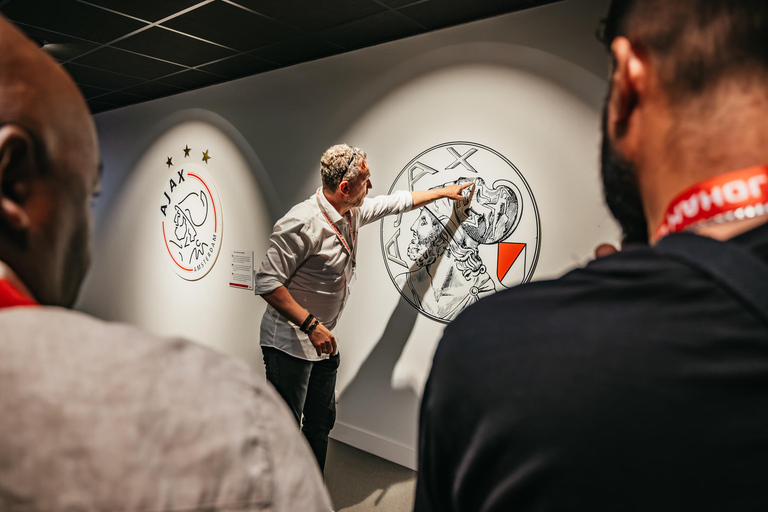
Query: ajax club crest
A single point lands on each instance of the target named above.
(447, 255)
(191, 218)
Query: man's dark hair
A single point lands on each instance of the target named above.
(695, 43)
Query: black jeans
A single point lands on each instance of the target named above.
(308, 387)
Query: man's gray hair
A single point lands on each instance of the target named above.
(340, 161)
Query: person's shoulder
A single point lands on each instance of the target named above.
(601, 292)
(303, 211)
(53, 350)
(104, 376)
(305, 217)
(57, 334)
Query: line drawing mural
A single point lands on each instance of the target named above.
(447, 255)
(190, 214)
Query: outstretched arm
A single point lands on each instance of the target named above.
(424, 197)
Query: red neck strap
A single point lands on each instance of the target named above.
(729, 197)
(348, 216)
(10, 296)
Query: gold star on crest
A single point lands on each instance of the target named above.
(186, 150)
(169, 162)
(206, 157)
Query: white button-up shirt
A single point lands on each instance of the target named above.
(307, 256)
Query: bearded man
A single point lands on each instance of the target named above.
(305, 278)
(638, 382)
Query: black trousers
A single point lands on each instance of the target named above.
(309, 388)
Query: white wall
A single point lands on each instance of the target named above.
(529, 84)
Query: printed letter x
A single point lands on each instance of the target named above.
(461, 159)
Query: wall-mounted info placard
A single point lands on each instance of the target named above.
(241, 270)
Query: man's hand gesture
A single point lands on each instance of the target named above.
(323, 341)
(455, 192)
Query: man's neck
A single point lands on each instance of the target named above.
(712, 139)
(337, 201)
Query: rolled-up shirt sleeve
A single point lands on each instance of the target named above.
(290, 244)
(380, 206)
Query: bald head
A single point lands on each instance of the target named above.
(48, 171)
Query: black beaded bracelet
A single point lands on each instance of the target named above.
(305, 324)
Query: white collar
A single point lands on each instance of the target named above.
(327, 207)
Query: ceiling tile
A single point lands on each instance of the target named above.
(401, 3)
(71, 18)
(442, 13)
(90, 92)
(297, 50)
(315, 14)
(150, 10)
(99, 106)
(58, 46)
(378, 28)
(153, 90)
(191, 79)
(63, 52)
(119, 61)
(232, 26)
(99, 78)
(174, 47)
(120, 99)
(239, 66)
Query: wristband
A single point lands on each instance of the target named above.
(305, 324)
(312, 327)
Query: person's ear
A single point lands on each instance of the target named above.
(344, 187)
(17, 166)
(628, 87)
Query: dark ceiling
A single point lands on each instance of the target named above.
(122, 52)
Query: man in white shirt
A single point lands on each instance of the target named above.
(305, 278)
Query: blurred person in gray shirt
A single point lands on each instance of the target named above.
(102, 416)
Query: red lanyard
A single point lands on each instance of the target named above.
(734, 196)
(338, 233)
(10, 296)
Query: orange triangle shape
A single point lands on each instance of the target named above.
(508, 254)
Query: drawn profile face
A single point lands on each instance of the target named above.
(180, 221)
(191, 213)
(425, 231)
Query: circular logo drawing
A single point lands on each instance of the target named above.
(191, 221)
(445, 256)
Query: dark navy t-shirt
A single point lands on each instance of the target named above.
(635, 383)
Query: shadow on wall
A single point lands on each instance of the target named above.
(371, 389)
(372, 384)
